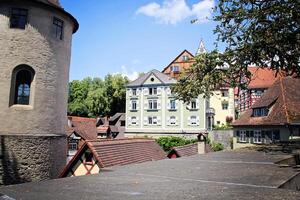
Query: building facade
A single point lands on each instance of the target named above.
(35, 40)
(152, 110)
(221, 104)
(261, 80)
(273, 118)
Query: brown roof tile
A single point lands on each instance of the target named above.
(118, 152)
(187, 150)
(85, 127)
(283, 100)
(261, 78)
(125, 151)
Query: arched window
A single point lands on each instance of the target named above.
(21, 85)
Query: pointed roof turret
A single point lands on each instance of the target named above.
(201, 48)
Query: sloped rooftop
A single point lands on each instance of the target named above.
(165, 79)
(85, 127)
(217, 176)
(283, 97)
(261, 78)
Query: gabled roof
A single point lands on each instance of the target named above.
(283, 100)
(117, 116)
(184, 51)
(186, 150)
(118, 152)
(165, 79)
(85, 127)
(261, 77)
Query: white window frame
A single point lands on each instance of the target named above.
(185, 58)
(133, 121)
(243, 136)
(257, 137)
(134, 92)
(224, 93)
(194, 102)
(227, 105)
(173, 104)
(152, 103)
(153, 91)
(152, 120)
(133, 105)
(175, 68)
(193, 120)
(172, 120)
(73, 144)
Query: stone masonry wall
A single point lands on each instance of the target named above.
(26, 158)
(222, 136)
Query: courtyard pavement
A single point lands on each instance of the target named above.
(223, 175)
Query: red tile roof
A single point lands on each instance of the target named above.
(187, 150)
(118, 152)
(85, 127)
(125, 151)
(103, 129)
(283, 100)
(261, 78)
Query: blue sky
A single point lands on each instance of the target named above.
(135, 35)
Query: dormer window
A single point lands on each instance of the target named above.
(260, 112)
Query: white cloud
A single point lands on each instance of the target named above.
(175, 11)
(129, 73)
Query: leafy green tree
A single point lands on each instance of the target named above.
(94, 97)
(261, 33)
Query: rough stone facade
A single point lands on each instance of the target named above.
(30, 158)
(33, 136)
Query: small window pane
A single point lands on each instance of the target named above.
(58, 28)
(18, 18)
(22, 87)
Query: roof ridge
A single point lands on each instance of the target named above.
(284, 99)
(185, 50)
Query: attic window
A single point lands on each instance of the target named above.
(88, 156)
(185, 58)
(152, 79)
(175, 69)
(260, 112)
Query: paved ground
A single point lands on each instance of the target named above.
(223, 175)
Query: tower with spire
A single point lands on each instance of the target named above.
(201, 49)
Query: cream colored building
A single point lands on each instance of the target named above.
(222, 101)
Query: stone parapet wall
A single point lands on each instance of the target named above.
(26, 158)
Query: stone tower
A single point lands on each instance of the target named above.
(35, 51)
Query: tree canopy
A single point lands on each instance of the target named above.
(96, 97)
(258, 33)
